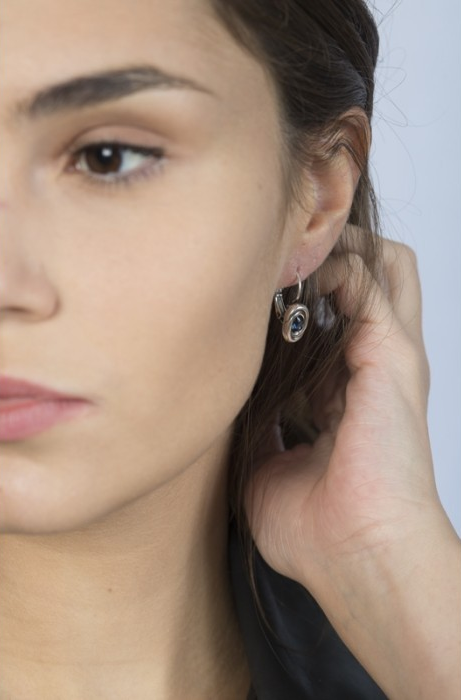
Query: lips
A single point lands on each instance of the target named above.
(17, 402)
(27, 409)
(18, 388)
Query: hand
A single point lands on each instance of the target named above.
(369, 477)
(355, 517)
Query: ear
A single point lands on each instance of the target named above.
(314, 226)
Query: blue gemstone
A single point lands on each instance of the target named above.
(297, 324)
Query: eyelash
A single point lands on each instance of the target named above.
(116, 180)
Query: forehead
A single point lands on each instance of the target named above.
(45, 42)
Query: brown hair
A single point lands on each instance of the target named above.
(321, 55)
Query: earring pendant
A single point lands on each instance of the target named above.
(295, 317)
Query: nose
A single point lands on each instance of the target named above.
(26, 293)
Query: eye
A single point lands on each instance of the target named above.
(113, 163)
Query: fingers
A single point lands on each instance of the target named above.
(404, 287)
(359, 296)
(406, 299)
(398, 279)
(393, 308)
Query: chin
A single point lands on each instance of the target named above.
(31, 506)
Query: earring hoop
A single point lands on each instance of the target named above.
(294, 318)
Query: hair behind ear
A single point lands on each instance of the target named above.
(321, 55)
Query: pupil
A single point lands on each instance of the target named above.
(103, 159)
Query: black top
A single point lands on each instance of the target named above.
(302, 658)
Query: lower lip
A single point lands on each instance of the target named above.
(30, 417)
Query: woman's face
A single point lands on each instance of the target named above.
(140, 281)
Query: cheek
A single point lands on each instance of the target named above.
(173, 336)
(164, 313)
(185, 336)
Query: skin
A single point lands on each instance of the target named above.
(356, 517)
(153, 302)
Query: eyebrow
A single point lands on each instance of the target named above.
(96, 88)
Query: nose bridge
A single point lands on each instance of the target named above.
(11, 163)
(16, 178)
(5, 181)
(26, 291)
(13, 185)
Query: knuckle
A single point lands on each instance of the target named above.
(401, 250)
(409, 252)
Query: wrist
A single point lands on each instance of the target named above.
(383, 559)
(397, 606)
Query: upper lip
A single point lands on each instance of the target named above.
(12, 388)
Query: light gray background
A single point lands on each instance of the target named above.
(416, 159)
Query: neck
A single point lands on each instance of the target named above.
(142, 594)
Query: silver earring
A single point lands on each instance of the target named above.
(294, 318)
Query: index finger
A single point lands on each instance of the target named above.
(398, 277)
